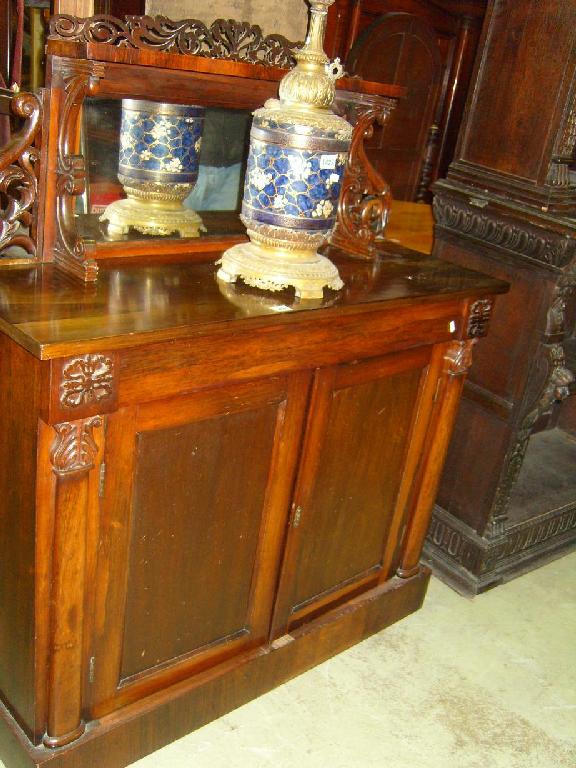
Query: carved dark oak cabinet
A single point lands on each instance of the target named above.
(507, 500)
(206, 490)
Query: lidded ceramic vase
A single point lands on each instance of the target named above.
(158, 167)
(298, 150)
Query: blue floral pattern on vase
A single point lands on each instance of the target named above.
(292, 187)
(157, 145)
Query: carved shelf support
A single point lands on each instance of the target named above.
(77, 80)
(18, 177)
(365, 198)
(453, 360)
(75, 453)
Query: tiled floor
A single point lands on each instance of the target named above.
(488, 683)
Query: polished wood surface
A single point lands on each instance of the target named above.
(50, 314)
(186, 450)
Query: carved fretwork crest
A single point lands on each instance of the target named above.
(74, 449)
(458, 357)
(87, 379)
(223, 39)
(18, 180)
(479, 318)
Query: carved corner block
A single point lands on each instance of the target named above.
(479, 316)
(83, 386)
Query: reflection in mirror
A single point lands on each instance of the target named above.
(128, 157)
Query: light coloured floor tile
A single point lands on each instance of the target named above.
(483, 683)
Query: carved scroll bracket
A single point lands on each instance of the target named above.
(77, 79)
(365, 198)
(18, 176)
(559, 383)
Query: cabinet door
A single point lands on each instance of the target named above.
(353, 482)
(194, 511)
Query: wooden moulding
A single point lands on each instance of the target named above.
(229, 65)
(150, 724)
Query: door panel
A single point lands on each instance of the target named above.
(197, 506)
(358, 433)
(193, 518)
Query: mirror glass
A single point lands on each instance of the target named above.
(178, 169)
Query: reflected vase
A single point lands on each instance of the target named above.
(158, 167)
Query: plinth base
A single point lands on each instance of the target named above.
(309, 273)
(151, 218)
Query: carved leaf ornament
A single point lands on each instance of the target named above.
(223, 39)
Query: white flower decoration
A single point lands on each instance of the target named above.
(323, 209)
(174, 164)
(259, 179)
(145, 154)
(332, 179)
(160, 129)
(279, 201)
(299, 167)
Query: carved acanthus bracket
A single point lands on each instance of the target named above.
(559, 383)
(85, 380)
(223, 39)
(479, 317)
(18, 176)
(365, 198)
(458, 357)
(74, 449)
(544, 246)
(78, 79)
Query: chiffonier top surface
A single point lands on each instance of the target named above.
(50, 314)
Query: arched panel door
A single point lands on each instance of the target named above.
(403, 49)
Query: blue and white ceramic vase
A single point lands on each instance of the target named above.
(158, 167)
(298, 150)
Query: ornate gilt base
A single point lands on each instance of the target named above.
(273, 270)
(151, 217)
